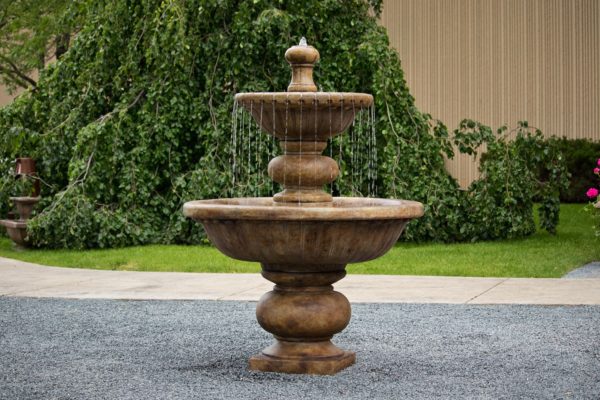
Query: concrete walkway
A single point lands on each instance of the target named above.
(19, 278)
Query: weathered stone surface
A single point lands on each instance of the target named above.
(302, 58)
(303, 237)
(17, 231)
(303, 249)
(25, 205)
(307, 116)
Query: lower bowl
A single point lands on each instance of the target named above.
(348, 230)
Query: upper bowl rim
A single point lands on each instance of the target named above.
(296, 97)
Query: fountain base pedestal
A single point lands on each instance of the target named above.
(304, 365)
(303, 312)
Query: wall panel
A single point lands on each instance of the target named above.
(501, 61)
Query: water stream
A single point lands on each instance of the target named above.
(251, 149)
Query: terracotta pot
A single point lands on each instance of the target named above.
(25, 166)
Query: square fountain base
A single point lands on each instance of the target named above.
(313, 366)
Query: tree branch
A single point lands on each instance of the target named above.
(15, 71)
(129, 106)
(13, 78)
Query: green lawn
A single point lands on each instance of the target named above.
(541, 255)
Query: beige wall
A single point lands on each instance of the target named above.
(501, 61)
(5, 97)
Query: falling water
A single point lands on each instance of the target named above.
(287, 107)
(249, 148)
(300, 151)
(273, 141)
(330, 143)
(259, 153)
(373, 152)
(249, 155)
(316, 130)
(355, 150)
(234, 118)
(340, 140)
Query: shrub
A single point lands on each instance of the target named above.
(579, 155)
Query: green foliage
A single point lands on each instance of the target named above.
(135, 119)
(580, 156)
(33, 32)
(514, 173)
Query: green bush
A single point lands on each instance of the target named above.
(135, 119)
(579, 155)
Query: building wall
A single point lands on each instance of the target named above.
(501, 61)
(5, 97)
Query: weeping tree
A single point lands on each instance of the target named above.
(135, 119)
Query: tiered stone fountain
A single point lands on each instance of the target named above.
(17, 228)
(303, 237)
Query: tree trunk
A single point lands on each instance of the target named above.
(62, 42)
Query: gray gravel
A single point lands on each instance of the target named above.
(588, 271)
(107, 349)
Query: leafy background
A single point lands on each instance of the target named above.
(135, 119)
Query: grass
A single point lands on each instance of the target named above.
(540, 255)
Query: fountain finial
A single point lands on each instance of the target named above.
(302, 58)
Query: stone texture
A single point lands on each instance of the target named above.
(16, 230)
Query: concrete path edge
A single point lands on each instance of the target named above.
(22, 279)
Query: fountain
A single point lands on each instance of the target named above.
(303, 237)
(17, 228)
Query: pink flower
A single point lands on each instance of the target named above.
(598, 162)
(597, 170)
(592, 193)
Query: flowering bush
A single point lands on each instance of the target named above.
(592, 194)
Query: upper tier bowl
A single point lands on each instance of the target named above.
(305, 116)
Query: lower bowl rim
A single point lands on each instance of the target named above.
(341, 209)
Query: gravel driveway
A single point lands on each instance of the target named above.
(108, 349)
